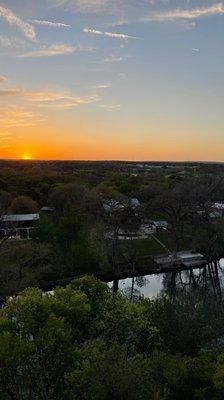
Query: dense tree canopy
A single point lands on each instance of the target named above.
(82, 342)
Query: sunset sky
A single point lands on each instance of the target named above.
(112, 79)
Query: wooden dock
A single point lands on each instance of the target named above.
(149, 265)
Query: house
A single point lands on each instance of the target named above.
(19, 218)
(186, 259)
(190, 258)
(160, 225)
(17, 226)
(141, 233)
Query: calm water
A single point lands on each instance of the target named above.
(152, 285)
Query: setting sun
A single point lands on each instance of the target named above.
(26, 157)
(153, 108)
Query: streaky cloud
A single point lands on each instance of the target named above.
(102, 86)
(93, 31)
(3, 79)
(54, 50)
(13, 117)
(194, 13)
(50, 24)
(73, 101)
(119, 35)
(186, 16)
(51, 100)
(12, 19)
(112, 59)
(110, 107)
(12, 42)
(113, 35)
(83, 5)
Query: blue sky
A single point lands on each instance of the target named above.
(117, 79)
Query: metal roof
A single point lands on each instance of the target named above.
(19, 217)
(160, 224)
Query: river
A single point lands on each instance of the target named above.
(151, 286)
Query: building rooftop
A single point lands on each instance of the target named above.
(47, 208)
(19, 217)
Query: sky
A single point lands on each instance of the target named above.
(112, 79)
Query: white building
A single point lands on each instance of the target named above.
(17, 226)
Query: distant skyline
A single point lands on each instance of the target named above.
(112, 80)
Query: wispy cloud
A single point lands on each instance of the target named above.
(12, 19)
(5, 139)
(5, 41)
(93, 31)
(13, 117)
(83, 5)
(10, 92)
(102, 86)
(12, 42)
(54, 50)
(194, 13)
(5, 136)
(3, 79)
(185, 16)
(53, 100)
(71, 102)
(112, 59)
(35, 95)
(119, 35)
(109, 7)
(50, 24)
(113, 35)
(110, 107)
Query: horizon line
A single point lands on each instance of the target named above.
(112, 160)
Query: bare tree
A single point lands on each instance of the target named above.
(118, 216)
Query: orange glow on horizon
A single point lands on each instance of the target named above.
(107, 147)
(26, 157)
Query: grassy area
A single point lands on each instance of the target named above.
(150, 246)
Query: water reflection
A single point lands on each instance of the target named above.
(205, 282)
(152, 285)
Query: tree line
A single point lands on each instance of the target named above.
(80, 236)
(84, 342)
